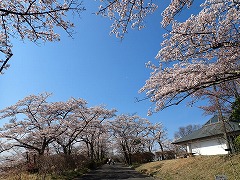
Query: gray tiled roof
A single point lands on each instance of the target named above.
(209, 130)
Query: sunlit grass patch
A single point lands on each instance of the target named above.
(198, 167)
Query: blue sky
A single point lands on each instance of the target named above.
(94, 66)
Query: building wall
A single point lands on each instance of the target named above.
(207, 147)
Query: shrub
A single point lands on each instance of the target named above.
(142, 157)
(237, 144)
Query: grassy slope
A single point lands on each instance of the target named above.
(193, 168)
(68, 175)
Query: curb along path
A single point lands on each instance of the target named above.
(116, 172)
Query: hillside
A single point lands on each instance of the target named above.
(198, 167)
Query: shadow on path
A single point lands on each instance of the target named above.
(116, 171)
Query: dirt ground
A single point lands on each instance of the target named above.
(117, 172)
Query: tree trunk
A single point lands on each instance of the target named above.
(126, 155)
(224, 129)
(91, 151)
(161, 147)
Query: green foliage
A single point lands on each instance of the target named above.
(237, 144)
(235, 115)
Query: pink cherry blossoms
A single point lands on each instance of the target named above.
(35, 124)
(196, 54)
(43, 130)
(126, 13)
(33, 20)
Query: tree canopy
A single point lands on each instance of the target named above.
(34, 20)
(196, 54)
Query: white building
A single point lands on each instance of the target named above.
(209, 139)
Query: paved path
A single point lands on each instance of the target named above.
(116, 172)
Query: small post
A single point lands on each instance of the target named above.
(220, 177)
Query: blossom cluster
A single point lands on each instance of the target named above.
(135, 134)
(196, 54)
(35, 123)
(126, 13)
(33, 20)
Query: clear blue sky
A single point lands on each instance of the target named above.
(94, 66)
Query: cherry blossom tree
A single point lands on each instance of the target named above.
(102, 143)
(72, 123)
(34, 123)
(196, 54)
(130, 132)
(203, 51)
(36, 128)
(126, 13)
(158, 134)
(96, 138)
(93, 134)
(225, 94)
(33, 20)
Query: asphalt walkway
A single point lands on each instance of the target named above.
(117, 172)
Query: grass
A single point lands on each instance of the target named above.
(25, 176)
(194, 168)
(67, 175)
